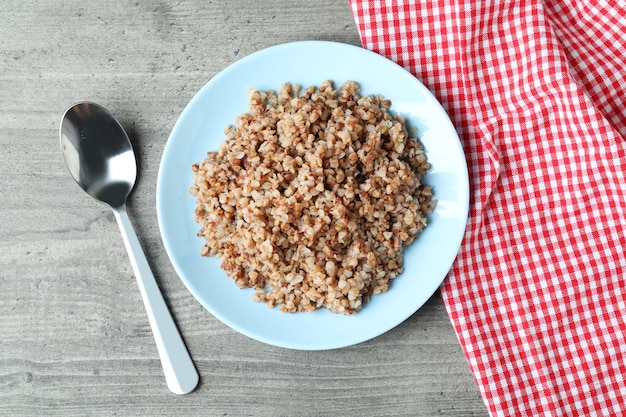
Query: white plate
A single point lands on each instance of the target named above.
(200, 129)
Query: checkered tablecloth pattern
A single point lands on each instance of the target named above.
(537, 91)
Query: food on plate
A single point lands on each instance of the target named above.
(312, 196)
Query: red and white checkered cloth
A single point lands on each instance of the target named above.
(537, 91)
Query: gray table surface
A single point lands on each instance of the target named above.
(74, 335)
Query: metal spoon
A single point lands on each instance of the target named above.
(100, 157)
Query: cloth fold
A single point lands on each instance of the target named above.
(537, 91)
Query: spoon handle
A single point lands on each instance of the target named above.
(180, 373)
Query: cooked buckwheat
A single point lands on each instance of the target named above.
(312, 196)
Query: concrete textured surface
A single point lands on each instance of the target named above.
(74, 336)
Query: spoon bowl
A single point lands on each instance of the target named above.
(100, 158)
(98, 153)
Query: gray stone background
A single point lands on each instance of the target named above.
(74, 336)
